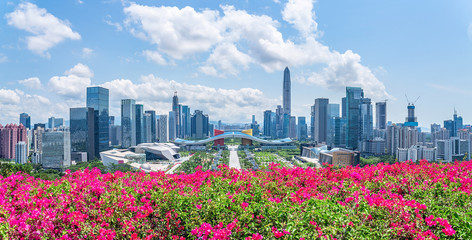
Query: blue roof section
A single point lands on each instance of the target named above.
(233, 135)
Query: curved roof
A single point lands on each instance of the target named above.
(233, 135)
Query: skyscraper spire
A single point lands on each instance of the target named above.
(287, 98)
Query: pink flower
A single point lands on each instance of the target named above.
(244, 205)
(199, 206)
(449, 231)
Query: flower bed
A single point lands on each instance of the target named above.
(399, 201)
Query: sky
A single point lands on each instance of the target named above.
(227, 57)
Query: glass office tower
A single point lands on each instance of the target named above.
(98, 99)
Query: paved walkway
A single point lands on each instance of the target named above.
(233, 157)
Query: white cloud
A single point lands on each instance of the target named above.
(236, 39)
(47, 30)
(87, 52)
(300, 14)
(8, 97)
(33, 83)
(72, 85)
(155, 57)
(176, 32)
(156, 93)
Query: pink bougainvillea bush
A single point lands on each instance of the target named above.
(399, 201)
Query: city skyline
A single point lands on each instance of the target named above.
(47, 79)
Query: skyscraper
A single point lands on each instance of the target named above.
(172, 126)
(333, 113)
(176, 110)
(321, 119)
(353, 118)
(381, 115)
(21, 153)
(82, 131)
(302, 129)
(98, 99)
(128, 123)
(200, 125)
(279, 112)
(162, 128)
(287, 98)
(25, 119)
(366, 119)
(147, 128)
(267, 123)
(10, 135)
(54, 122)
(292, 132)
(185, 121)
(312, 123)
(56, 149)
(139, 123)
(153, 125)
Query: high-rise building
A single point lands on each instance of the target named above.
(139, 123)
(411, 120)
(153, 122)
(162, 128)
(267, 123)
(343, 108)
(279, 112)
(25, 119)
(454, 125)
(176, 109)
(321, 119)
(200, 124)
(285, 125)
(340, 126)
(353, 118)
(147, 127)
(449, 126)
(333, 113)
(381, 115)
(98, 99)
(287, 98)
(82, 131)
(21, 153)
(302, 129)
(115, 135)
(292, 133)
(172, 126)
(37, 143)
(10, 135)
(253, 119)
(367, 127)
(185, 123)
(128, 123)
(56, 149)
(312, 123)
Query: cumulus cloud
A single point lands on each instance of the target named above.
(300, 14)
(73, 84)
(9, 97)
(33, 83)
(117, 26)
(176, 32)
(47, 29)
(236, 39)
(156, 93)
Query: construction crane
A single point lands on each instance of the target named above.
(411, 103)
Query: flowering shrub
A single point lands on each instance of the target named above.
(398, 201)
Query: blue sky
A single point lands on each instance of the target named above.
(227, 57)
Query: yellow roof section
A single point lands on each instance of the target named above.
(248, 132)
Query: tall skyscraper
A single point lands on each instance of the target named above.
(25, 119)
(147, 127)
(343, 108)
(172, 126)
(333, 113)
(267, 123)
(292, 132)
(176, 110)
(139, 123)
(312, 123)
(279, 112)
(321, 119)
(128, 123)
(162, 128)
(287, 98)
(302, 129)
(253, 119)
(153, 125)
(381, 115)
(353, 118)
(366, 120)
(54, 122)
(98, 99)
(200, 125)
(82, 131)
(185, 121)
